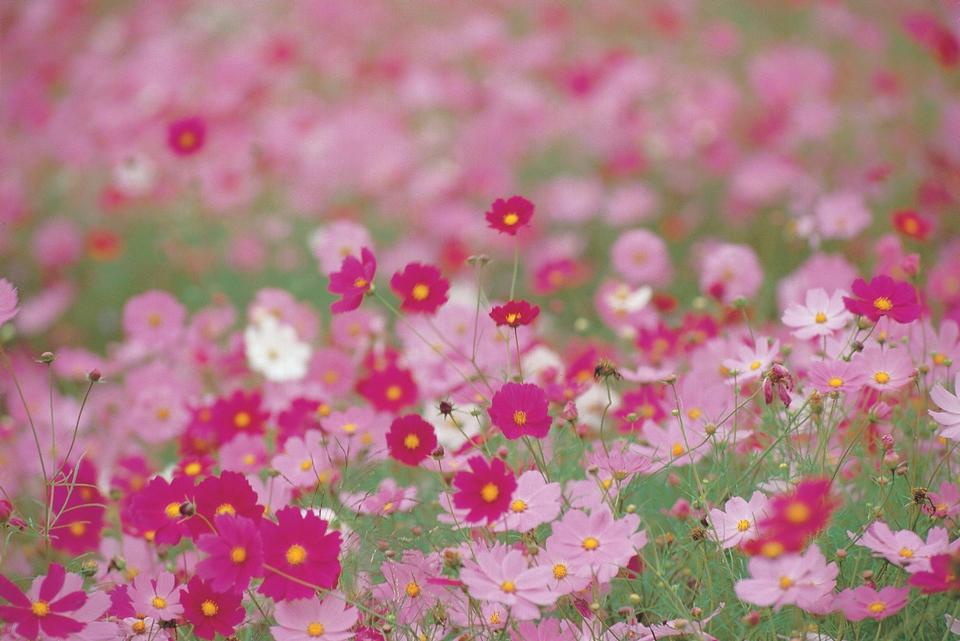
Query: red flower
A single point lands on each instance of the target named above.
(944, 575)
(794, 518)
(514, 313)
(411, 439)
(520, 409)
(235, 553)
(910, 223)
(389, 389)
(302, 414)
(298, 546)
(228, 494)
(421, 287)
(155, 512)
(209, 611)
(884, 296)
(508, 216)
(239, 413)
(353, 281)
(186, 136)
(486, 490)
(49, 614)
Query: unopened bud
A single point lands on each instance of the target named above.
(46, 358)
(94, 375)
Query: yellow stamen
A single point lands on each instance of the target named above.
(420, 292)
(518, 506)
(209, 608)
(520, 418)
(411, 442)
(489, 492)
(315, 629)
(296, 554)
(590, 543)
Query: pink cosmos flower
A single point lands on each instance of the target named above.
(520, 409)
(866, 602)
(842, 215)
(672, 444)
(731, 271)
(820, 315)
(158, 597)
(300, 546)
(421, 288)
(485, 491)
(565, 565)
(388, 499)
(791, 579)
(949, 404)
(836, 376)
(211, 612)
(535, 501)
(353, 281)
(737, 521)
(413, 583)
(750, 363)
(905, 548)
(601, 543)
(411, 439)
(641, 257)
(314, 620)
(235, 553)
(187, 135)
(304, 462)
(55, 605)
(883, 296)
(334, 242)
(510, 215)
(502, 575)
(545, 630)
(8, 301)
(945, 503)
(885, 369)
(153, 319)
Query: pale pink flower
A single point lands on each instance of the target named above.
(750, 363)
(534, 502)
(502, 575)
(731, 271)
(820, 315)
(949, 404)
(905, 548)
(601, 543)
(737, 521)
(803, 580)
(157, 597)
(314, 620)
(885, 369)
(842, 215)
(8, 301)
(641, 257)
(835, 376)
(866, 602)
(334, 242)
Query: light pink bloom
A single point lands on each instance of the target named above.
(156, 597)
(411, 584)
(885, 369)
(865, 602)
(905, 547)
(388, 499)
(842, 215)
(153, 319)
(751, 363)
(601, 543)
(641, 257)
(949, 416)
(564, 565)
(334, 242)
(835, 376)
(314, 620)
(8, 301)
(737, 521)
(803, 580)
(731, 271)
(534, 502)
(503, 576)
(820, 315)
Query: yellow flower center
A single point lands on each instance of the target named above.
(820, 318)
(349, 428)
(249, 459)
(906, 553)
(518, 506)
(138, 626)
(694, 413)
(509, 587)
(939, 359)
(241, 420)
(489, 492)
(835, 382)
(296, 554)
(360, 283)
(172, 510)
(785, 582)
(412, 590)
(150, 535)
(495, 618)
(559, 571)
(158, 602)
(187, 140)
(743, 525)
(420, 291)
(677, 449)
(798, 512)
(209, 608)
(877, 607)
(411, 442)
(388, 506)
(520, 418)
(394, 392)
(512, 318)
(226, 508)
(315, 629)
(590, 543)
(192, 469)
(163, 413)
(755, 365)
(40, 608)
(238, 554)
(883, 303)
(882, 377)
(511, 219)
(77, 528)
(772, 549)
(306, 464)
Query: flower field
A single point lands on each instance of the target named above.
(325, 320)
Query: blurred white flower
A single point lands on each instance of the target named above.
(274, 350)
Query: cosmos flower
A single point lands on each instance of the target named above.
(411, 439)
(228, 494)
(502, 575)
(520, 409)
(884, 369)
(274, 350)
(239, 413)
(737, 521)
(389, 389)
(298, 552)
(793, 518)
(510, 215)
(234, 553)
(187, 135)
(353, 281)
(485, 491)
(641, 258)
(534, 502)
(514, 313)
(157, 597)
(820, 315)
(210, 611)
(836, 376)
(314, 620)
(949, 404)
(751, 363)
(803, 580)
(8, 301)
(420, 287)
(943, 575)
(153, 319)
(602, 543)
(883, 296)
(156, 513)
(905, 548)
(911, 224)
(866, 602)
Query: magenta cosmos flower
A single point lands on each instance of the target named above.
(299, 555)
(508, 216)
(520, 409)
(55, 605)
(411, 439)
(8, 301)
(514, 313)
(502, 575)
(421, 288)
(798, 579)
(314, 620)
(235, 553)
(865, 602)
(883, 296)
(211, 612)
(353, 281)
(187, 135)
(485, 491)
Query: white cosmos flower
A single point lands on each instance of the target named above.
(627, 300)
(274, 349)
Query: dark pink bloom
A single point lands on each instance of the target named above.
(235, 553)
(239, 413)
(187, 135)
(155, 512)
(508, 216)
(299, 546)
(485, 491)
(411, 439)
(421, 288)
(944, 575)
(353, 281)
(514, 313)
(883, 296)
(520, 409)
(793, 519)
(389, 389)
(211, 612)
(50, 610)
(229, 494)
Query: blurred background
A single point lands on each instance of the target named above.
(199, 146)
